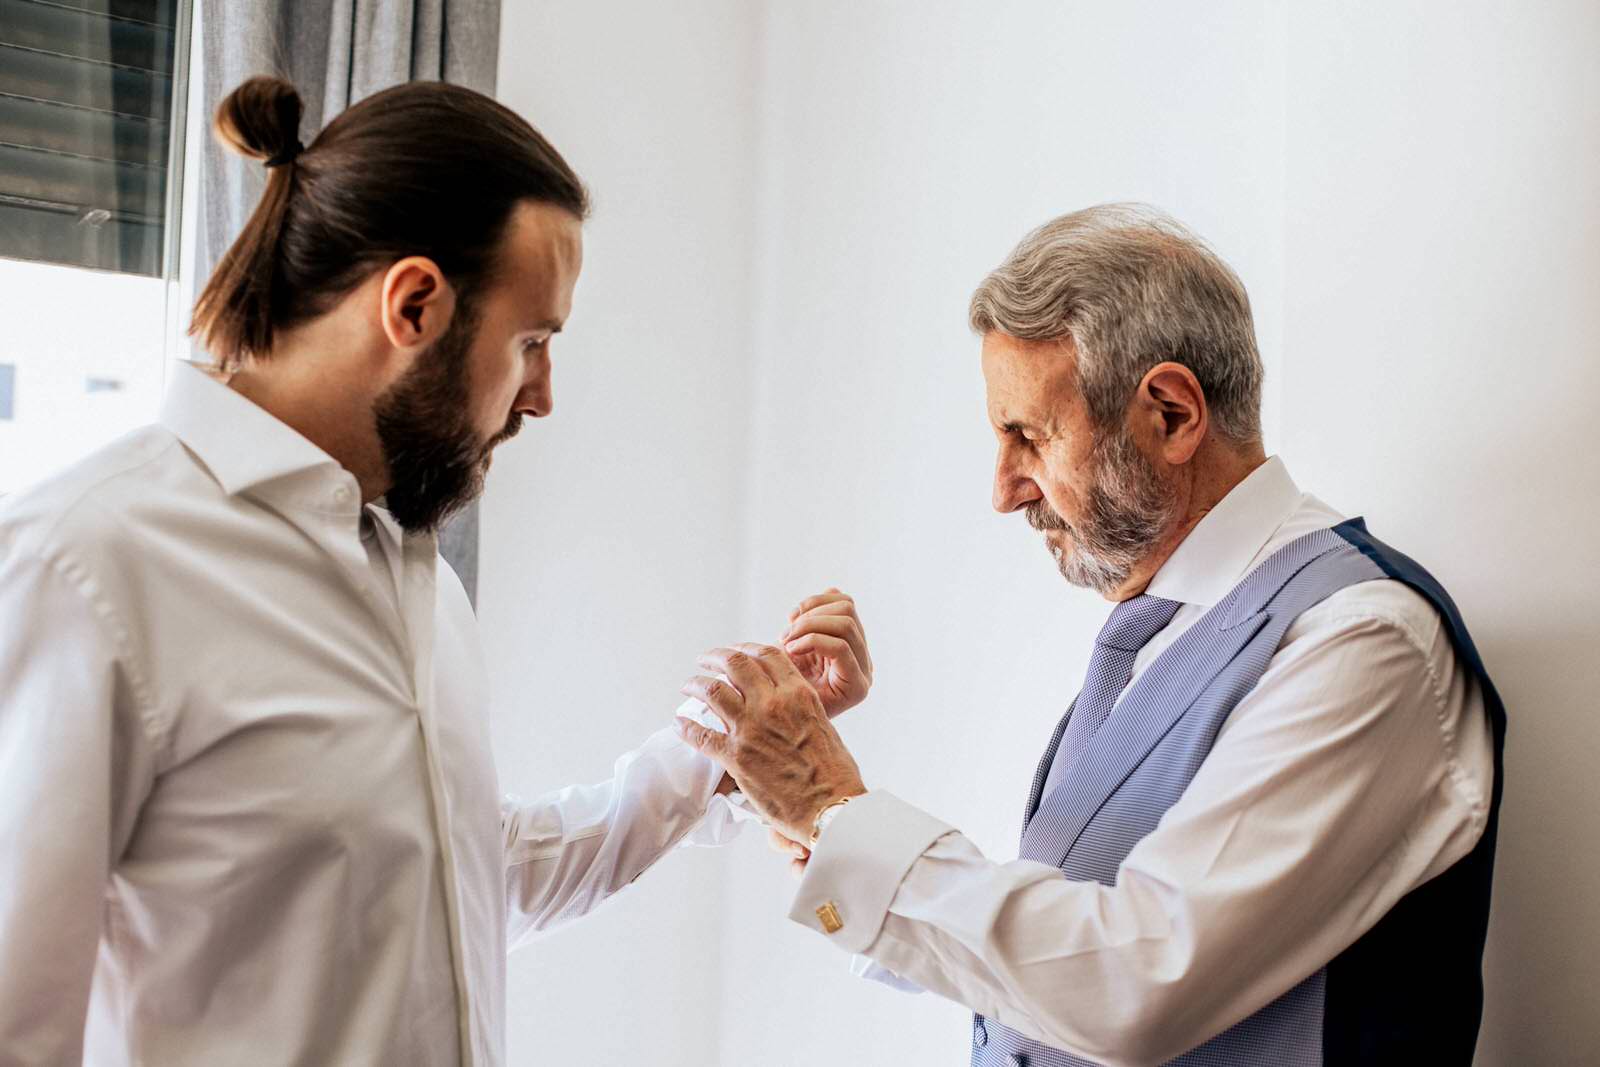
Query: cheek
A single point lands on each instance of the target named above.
(1064, 482)
(499, 392)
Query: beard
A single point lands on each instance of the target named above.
(437, 462)
(1127, 511)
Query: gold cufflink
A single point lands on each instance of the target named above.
(829, 915)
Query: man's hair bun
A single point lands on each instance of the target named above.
(261, 119)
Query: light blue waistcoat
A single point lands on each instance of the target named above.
(1410, 990)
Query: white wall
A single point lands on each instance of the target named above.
(1442, 349)
(907, 148)
(611, 540)
(795, 201)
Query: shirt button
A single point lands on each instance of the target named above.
(980, 1033)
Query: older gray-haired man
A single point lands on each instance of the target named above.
(1264, 831)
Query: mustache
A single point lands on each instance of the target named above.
(512, 428)
(1042, 518)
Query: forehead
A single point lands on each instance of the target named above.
(1027, 380)
(540, 257)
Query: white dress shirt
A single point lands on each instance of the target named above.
(1358, 768)
(248, 810)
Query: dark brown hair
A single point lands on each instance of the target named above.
(426, 169)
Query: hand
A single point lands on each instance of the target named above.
(780, 747)
(829, 648)
(799, 855)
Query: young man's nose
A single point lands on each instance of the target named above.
(536, 398)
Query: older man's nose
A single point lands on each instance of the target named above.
(1012, 490)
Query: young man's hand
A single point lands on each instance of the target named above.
(828, 646)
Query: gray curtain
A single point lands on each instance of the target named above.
(336, 52)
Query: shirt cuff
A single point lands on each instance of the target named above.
(725, 817)
(873, 971)
(858, 865)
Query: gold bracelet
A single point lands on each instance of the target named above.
(824, 817)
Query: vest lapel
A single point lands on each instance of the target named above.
(1043, 772)
(1149, 708)
(1158, 699)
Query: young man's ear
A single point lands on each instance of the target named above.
(416, 303)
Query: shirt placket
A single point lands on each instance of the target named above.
(418, 599)
(413, 635)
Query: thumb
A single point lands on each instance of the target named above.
(707, 742)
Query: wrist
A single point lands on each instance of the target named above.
(826, 815)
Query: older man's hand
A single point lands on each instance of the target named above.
(781, 749)
(829, 648)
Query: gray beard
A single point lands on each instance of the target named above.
(1129, 509)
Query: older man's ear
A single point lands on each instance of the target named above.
(1170, 407)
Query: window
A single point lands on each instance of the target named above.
(94, 101)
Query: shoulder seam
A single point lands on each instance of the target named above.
(1436, 688)
(1335, 610)
(82, 497)
(82, 582)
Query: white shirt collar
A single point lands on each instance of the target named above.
(1221, 547)
(240, 443)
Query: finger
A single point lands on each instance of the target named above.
(775, 661)
(780, 843)
(832, 607)
(844, 627)
(830, 596)
(743, 669)
(828, 648)
(707, 742)
(725, 702)
(844, 608)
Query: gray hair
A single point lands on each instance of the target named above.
(1132, 288)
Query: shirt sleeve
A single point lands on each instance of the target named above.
(1338, 786)
(75, 767)
(567, 851)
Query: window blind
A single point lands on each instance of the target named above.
(86, 116)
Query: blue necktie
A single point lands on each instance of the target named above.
(1131, 626)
